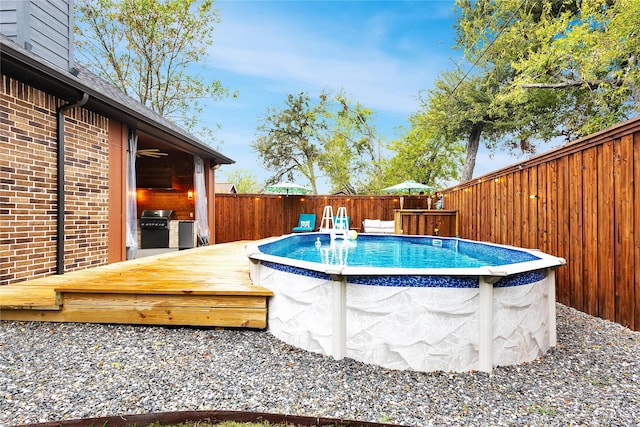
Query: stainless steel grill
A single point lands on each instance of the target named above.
(154, 228)
(157, 219)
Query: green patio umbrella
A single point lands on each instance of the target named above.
(407, 187)
(286, 188)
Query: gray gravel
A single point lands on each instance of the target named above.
(51, 372)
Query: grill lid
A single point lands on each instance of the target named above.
(157, 213)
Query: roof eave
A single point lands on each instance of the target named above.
(65, 85)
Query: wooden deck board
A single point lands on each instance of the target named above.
(207, 286)
(17, 297)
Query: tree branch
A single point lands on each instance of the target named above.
(553, 85)
(572, 83)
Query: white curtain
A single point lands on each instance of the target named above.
(199, 188)
(132, 206)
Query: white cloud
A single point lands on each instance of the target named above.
(293, 55)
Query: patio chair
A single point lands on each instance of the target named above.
(306, 222)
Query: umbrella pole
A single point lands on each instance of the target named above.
(286, 213)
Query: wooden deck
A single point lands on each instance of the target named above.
(206, 286)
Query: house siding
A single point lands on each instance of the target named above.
(28, 185)
(44, 27)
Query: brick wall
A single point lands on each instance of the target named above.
(28, 185)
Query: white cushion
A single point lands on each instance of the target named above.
(388, 224)
(379, 226)
(371, 223)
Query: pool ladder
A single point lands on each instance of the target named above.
(336, 227)
(327, 219)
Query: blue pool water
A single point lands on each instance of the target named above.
(394, 251)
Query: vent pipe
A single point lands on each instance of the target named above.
(61, 181)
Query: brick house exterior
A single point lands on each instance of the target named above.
(37, 117)
(28, 184)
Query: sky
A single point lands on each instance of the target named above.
(381, 53)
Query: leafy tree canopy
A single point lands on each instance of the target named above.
(147, 49)
(244, 180)
(288, 140)
(518, 54)
(351, 156)
(334, 136)
(590, 55)
(424, 153)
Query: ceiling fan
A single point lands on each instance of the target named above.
(151, 152)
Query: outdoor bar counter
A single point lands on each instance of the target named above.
(431, 222)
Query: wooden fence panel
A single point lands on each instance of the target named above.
(508, 183)
(504, 217)
(532, 205)
(257, 216)
(575, 230)
(517, 210)
(552, 208)
(590, 228)
(563, 290)
(624, 234)
(542, 209)
(463, 203)
(605, 209)
(496, 200)
(585, 208)
(636, 226)
(485, 225)
(471, 202)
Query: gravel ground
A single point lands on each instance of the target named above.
(51, 372)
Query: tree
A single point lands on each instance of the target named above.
(244, 180)
(147, 49)
(558, 67)
(335, 136)
(351, 157)
(288, 140)
(424, 154)
(492, 34)
(462, 111)
(459, 110)
(590, 54)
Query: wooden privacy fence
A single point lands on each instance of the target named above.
(580, 202)
(256, 216)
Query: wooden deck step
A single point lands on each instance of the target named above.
(207, 286)
(16, 297)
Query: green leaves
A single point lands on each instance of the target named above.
(424, 154)
(146, 48)
(244, 180)
(288, 139)
(536, 70)
(589, 56)
(352, 149)
(334, 135)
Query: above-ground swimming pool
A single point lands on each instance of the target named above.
(409, 302)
